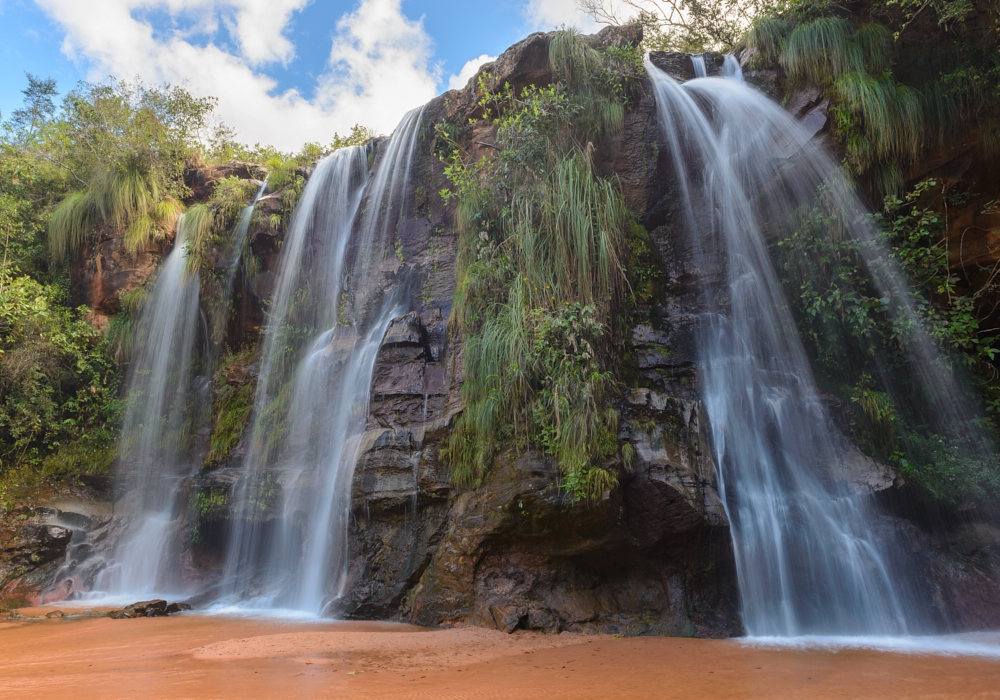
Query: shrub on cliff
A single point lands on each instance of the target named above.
(543, 272)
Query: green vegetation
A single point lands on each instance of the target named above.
(108, 161)
(208, 507)
(231, 407)
(58, 387)
(544, 272)
(848, 328)
(887, 114)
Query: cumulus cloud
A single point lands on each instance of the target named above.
(379, 67)
(460, 79)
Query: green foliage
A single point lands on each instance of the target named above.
(951, 86)
(847, 325)
(122, 329)
(223, 147)
(232, 407)
(207, 506)
(880, 121)
(57, 384)
(877, 415)
(125, 199)
(543, 270)
(821, 51)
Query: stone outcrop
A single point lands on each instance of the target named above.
(651, 557)
(102, 271)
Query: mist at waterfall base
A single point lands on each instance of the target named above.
(812, 558)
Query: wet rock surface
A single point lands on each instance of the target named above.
(148, 608)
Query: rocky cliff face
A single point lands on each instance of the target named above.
(653, 557)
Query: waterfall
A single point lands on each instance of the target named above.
(808, 560)
(156, 434)
(700, 68)
(340, 279)
(240, 237)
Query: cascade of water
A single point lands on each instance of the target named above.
(700, 68)
(732, 69)
(240, 236)
(337, 277)
(807, 559)
(155, 433)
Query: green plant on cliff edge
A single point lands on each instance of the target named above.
(543, 271)
(884, 121)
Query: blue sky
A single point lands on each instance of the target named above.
(285, 71)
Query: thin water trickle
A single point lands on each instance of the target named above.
(340, 275)
(807, 557)
(240, 237)
(732, 69)
(700, 67)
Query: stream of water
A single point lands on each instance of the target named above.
(808, 558)
(163, 396)
(339, 279)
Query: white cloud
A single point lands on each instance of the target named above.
(551, 14)
(380, 62)
(460, 79)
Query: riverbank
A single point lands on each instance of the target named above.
(207, 657)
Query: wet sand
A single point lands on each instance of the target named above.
(207, 657)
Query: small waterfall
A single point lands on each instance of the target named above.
(808, 560)
(732, 69)
(240, 237)
(700, 67)
(340, 280)
(156, 434)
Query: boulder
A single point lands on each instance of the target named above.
(37, 545)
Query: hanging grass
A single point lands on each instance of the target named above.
(880, 122)
(125, 199)
(891, 117)
(821, 51)
(122, 329)
(765, 37)
(596, 84)
(72, 221)
(543, 270)
(876, 44)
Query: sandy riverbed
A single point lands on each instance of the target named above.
(202, 657)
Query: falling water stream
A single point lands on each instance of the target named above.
(156, 434)
(808, 558)
(240, 237)
(340, 277)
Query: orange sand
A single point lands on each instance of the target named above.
(196, 656)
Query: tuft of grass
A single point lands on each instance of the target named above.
(766, 37)
(892, 118)
(123, 327)
(821, 51)
(125, 198)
